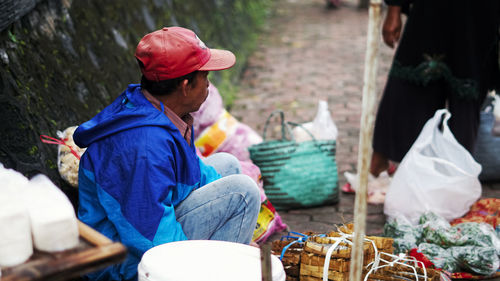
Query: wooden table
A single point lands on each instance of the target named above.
(95, 251)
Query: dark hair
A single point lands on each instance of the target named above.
(165, 87)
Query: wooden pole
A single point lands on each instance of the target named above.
(365, 141)
(265, 261)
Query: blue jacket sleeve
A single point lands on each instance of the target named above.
(128, 197)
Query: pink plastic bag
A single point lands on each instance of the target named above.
(209, 111)
(216, 130)
(238, 142)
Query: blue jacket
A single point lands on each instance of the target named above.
(136, 169)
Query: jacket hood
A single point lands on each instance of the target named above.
(130, 110)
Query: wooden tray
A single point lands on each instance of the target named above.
(95, 251)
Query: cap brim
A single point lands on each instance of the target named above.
(219, 60)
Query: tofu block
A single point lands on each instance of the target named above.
(15, 232)
(53, 220)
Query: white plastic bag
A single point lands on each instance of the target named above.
(322, 127)
(437, 174)
(377, 186)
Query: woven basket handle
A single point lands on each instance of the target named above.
(313, 139)
(283, 125)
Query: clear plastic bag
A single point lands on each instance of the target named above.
(496, 112)
(406, 236)
(67, 161)
(480, 260)
(471, 247)
(322, 127)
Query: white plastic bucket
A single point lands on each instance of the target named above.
(207, 260)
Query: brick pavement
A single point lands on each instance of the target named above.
(310, 53)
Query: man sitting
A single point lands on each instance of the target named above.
(140, 180)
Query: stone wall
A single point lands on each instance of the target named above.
(63, 61)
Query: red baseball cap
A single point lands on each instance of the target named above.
(172, 52)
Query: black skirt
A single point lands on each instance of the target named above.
(447, 57)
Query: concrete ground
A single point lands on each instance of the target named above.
(307, 54)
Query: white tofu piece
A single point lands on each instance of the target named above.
(53, 220)
(15, 232)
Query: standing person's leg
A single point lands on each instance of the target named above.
(464, 122)
(225, 209)
(402, 113)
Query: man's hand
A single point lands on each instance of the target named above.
(391, 30)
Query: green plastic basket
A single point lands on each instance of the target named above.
(297, 175)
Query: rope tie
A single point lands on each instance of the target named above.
(61, 141)
(378, 262)
(400, 259)
(343, 238)
(326, 266)
(301, 238)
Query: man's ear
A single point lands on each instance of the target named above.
(184, 87)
